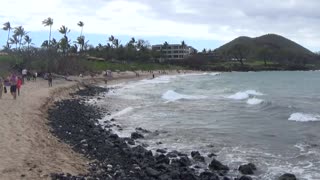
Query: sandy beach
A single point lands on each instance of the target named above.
(27, 148)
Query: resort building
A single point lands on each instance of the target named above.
(174, 51)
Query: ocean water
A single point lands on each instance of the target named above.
(271, 119)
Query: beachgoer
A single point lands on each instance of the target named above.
(13, 87)
(50, 79)
(6, 84)
(24, 75)
(35, 75)
(19, 83)
(1, 86)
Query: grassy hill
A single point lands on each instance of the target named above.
(270, 47)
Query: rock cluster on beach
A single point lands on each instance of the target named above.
(76, 123)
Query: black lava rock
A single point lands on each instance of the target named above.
(247, 168)
(136, 135)
(216, 165)
(287, 176)
(197, 156)
(208, 176)
(245, 178)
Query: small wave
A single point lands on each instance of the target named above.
(158, 80)
(302, 117)
(214, 74)
(171, 95)
(244, 94)
(120, 113)
(254, 101)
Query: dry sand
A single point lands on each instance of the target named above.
(27, 148)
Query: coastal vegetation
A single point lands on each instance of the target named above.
(67, 56)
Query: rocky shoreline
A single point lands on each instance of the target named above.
(76, 123)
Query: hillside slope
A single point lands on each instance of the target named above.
(271, 46)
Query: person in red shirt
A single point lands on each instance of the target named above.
(19, 84)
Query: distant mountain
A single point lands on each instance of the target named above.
(271, 46)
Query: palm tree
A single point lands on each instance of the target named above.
(27, 40)
(7, 27)
(116, 43)
(165, 45)
(48, 22)
(64, 42)
(111, 39)
(45, 44)
(81, 24)
(64, 30)
(81, 41)
(14, 40)
(183, 45)
(20, 32)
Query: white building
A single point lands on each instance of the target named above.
(174, 51)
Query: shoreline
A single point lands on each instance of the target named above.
(28, 149)
(81, 163)
(141, 163)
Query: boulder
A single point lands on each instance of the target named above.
(247, 168)
(245, 178)
(152, 172)
(216, 165)
(136, 135)
(211, 155)
(287, 176)
(161, 151)
(208, 176)
(162, 159)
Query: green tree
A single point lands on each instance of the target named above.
(48, 22)
(82, 43)
(14, 40)
(111, 39)
(7, 27)
(239, 52)
(20, 33)
(81, 24)
(183, 44)
(266, 54)
(64, 42)
(28, 41)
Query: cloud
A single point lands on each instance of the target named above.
(185, 19)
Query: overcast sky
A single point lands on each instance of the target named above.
(201, 23)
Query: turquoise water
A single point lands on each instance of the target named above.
(271, 119)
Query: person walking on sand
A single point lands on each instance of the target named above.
(19, 84)
(34, 76)
(1, 86)
(13, 87)
(24, 75)
(50, 79)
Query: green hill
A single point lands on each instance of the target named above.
(270, 47)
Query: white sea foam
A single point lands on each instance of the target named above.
(157, 80)
(254, 101)
(245, 94)
(214, 74)
(117, 114)
(239, 96)
(171, 95)
(303, 117)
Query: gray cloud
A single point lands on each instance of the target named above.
(297, 19)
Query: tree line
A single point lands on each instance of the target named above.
(18, 41)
